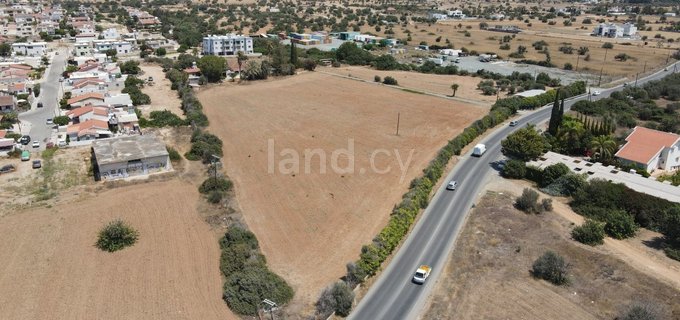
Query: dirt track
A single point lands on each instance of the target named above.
(51, 270)
(311, 225)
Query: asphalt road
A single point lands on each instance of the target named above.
(49, 96)
(394, 296)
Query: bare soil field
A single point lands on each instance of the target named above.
(51, 268)
(310, 223)
(162, 97)
(431, 83)
(494, 254)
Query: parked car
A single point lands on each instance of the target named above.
(25, 155)
(36, 144)
(452, 185)
(49, 121)
(25, 140)
(513, 123)
(596, 93)
(40, 105)
(36, 164)
(150, 79)
(7, 168)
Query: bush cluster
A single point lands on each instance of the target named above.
(173, 154)
(519, 103)
(336, 298)
(551, 267)
(203, 146)
(248, 280)
(528, 202)
(591, 233)
(116, 235)
(160, 119)
(215, 188)
(391, 81)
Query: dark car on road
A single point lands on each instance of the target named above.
(40, 105)
(25, 140)
(36, 164)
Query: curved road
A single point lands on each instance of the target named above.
(394, 296)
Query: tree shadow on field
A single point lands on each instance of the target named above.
(657, 243)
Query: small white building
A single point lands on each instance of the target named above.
(121, 47)
(651, 150)
(29, 48)
(456, 14)
(82, 49)
(227, 45)
(438, 16)
(610, 30)
(110, 34)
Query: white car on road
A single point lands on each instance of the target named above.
(596, 93)
(421, 274)
(452, 185)
(36, 144)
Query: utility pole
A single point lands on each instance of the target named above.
(645, 68)
(578, 57)
(636, 78)
(398, 118)
(602, 69)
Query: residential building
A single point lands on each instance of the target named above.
(118, 100)
(82, 49)
(88, 130)
(86, 37)
(438, 16)
(89, 98)
(227, 45)
(610, 30)
(17, 88)
(88, 112)
(85, 86)
(110, 34)
(651, 150)
(121, 47)
(348, 36)
(7, 103)
(127, 156)
(29, 48)
(456, 14)
(126, 121)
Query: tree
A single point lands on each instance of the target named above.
(161, 52)
(620, 224)
(130, 67)
(555, 116)
(5, 49)
(111, 52)
(551, 267)
(61, 120)
(454, 87)
(240, 58)
(337, 298)
(386, 62)
(514, 169)
(528, 201)
(212, 67)
(591, 233)
(116, 235)
(391, 81)
(293, 54)
(524, 144)
(553, 172)
(602, 148)
(36, 90)
(309, 64)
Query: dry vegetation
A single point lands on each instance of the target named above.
(494, 254)
(310, 225)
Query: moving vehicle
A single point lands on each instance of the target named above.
(513, 123)
(421, 274)
(479, 150)
(452, 185)
(49, 121)
(7, 168)
(40, 105)
(25, 155)
(25, 140)
(36, 164)
(596, 93)
(36, 144)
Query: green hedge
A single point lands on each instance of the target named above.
(517, 103)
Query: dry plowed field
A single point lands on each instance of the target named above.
(51, 270)
(310, 223)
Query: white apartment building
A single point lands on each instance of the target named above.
(110, 34)
(122, 47)
(627, 30)
(227, 45)
(29, 48)
(82, 49)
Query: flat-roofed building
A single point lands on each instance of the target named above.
(227, 45)
(128, 156)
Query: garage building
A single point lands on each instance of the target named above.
(128, 156)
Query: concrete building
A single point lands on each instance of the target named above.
(128, 156)
(651, 150)
(29, 48)
(82, 49)
(610, 30)
(227, 45)
(110, 34)
(7, 103)
(122, 47)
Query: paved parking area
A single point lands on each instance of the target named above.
(597, 170)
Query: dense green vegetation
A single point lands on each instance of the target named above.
(591, 233)
(116, 235)
(248, 280)
(551, 267)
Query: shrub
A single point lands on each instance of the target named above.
(514, 169)
(672, 253)
(551, 267)
(591, 233)
(173, 154)
(203, 146)
(336, 298)
(546, 204)
(377, 79)
(36, 90)
(640, 312)
(565, 185)
(528, 201)
(215, 184)
(116, 235)
(620, 224)
(215, 196)
(245, 290)
(61, 120)
(309, 64)
(390, 80)
(568, 66)
(608, 45)
(553, 172)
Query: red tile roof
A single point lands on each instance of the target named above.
(86, 96)
(643, 144)
(6, 100)
(3, 133)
